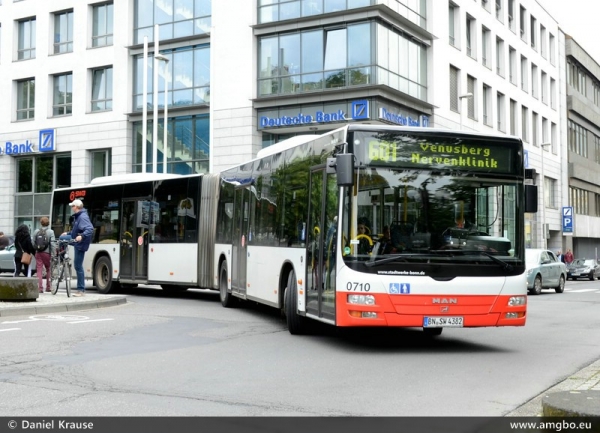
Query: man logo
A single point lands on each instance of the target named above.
(445, 301)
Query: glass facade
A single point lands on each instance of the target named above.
(176, 18)
(102, 31)
(188, 145)
(354, 55)
(188, 74)
(26, 99)
(36, 178)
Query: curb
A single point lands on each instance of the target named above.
(584, 403)
(63, 307)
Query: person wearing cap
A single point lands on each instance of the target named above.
(81, 233)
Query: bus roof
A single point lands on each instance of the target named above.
(132, 177)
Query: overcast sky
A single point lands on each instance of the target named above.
(579, 19)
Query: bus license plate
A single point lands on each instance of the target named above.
(445, 322)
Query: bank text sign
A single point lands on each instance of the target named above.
(46, 143)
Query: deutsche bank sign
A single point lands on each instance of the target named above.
(46, 143)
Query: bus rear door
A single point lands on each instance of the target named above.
(134, 241)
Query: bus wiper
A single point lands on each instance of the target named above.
(389, 258)
(504, 265)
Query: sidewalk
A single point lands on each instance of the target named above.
(59, 303)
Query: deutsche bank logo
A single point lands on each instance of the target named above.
(399, 288)
(46, 140)
(360, 109)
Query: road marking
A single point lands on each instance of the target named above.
(88, 321)
(582, 290)
(52, 317)
(10, 329)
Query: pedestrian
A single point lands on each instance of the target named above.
(23, 245)
(560, 257)
(42, 256)
(81, 232)
(4, 241)
(569, 256)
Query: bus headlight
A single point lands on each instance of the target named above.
(515, 301)
(361, 299)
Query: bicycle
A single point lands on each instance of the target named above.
(60, 266)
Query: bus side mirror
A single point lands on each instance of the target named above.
(343, 166)
(531, 198)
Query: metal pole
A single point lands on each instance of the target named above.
(145, 107)
(543, 222)
(155, 103)
(166, 121)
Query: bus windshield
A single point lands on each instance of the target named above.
(403, 212)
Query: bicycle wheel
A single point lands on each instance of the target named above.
(68, 277)
(59, 275)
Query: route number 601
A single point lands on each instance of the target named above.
(358, 287)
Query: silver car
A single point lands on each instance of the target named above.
(7, 260)
(544, 271)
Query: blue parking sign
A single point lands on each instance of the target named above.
(567, 220)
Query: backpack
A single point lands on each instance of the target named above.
(41, 241)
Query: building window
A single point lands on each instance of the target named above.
(550, 192)
(189, 148)
(190, 69)
(63, 95)
(553, 138)
(175, 20)
(102, 85)
(533, 32)
(63, 32)
(101, 163)
(579, 200)
(534, 129)
(487, 105)
(453, 24)
(578, 139)
(471, 37)
(545, 130)
(552, 48)
(26, 99)
(102, 26)
(499, 11)
(597, 203)
(524, 73)
(534, 81)
(597, 148)
(577, 77)
(553, 93)
(486, 47)
(471, 88)
(524, 123)
(500, 57)
(596, 90)
(523, 23)
(454, 89)
(500, 112)
(543, 43)
(512, 65)
(36, 178)
(513, 117)
(544, 88)
(511, 15)
(26, 47)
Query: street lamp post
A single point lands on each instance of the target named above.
(166, 110)
(157, 57)
(543, 185)
(460, 98)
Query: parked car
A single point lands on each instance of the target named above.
(7, 260)
(583, 268)
(544, 271)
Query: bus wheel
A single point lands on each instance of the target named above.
(103, 275)
(433, 332)
(296, 323)
(226, 297)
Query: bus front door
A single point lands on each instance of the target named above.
(321, 244)
(134, 241)
(240, 241)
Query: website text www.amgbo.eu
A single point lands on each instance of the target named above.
(562, 425)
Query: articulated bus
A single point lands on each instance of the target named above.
(362, 226)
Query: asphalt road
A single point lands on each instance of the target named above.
(180, 355)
